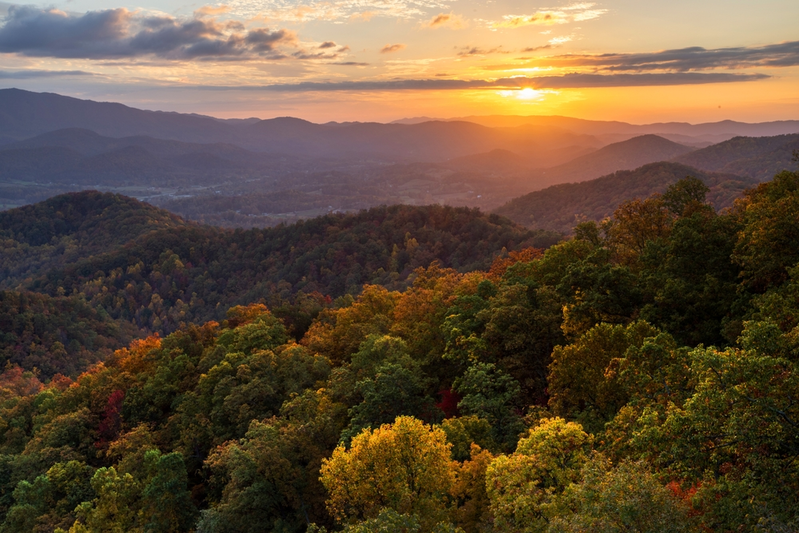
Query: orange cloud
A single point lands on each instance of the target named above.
(551, 16)
(449, 20)
(389, 48)
(211, 11)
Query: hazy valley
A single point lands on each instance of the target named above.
(257, 173)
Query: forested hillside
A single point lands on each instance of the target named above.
(561, 207)
(640, 376)
(56, 335)
(152, 271)
(72, 227)
(756, 157)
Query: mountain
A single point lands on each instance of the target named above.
(88, 142)
(625, 155)
(26, 114)
(715, 131)
(147, 267)
(561, 207)
(433, 141)
(759, 158)
(67, 228)
(81, 157)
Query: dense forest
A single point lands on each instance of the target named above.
(151, 271)
(640, 376)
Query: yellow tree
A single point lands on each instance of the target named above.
(522, 486)
(338, 333)
(405, 466)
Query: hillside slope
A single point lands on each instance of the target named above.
(162, 271)
(625, 155)
(759, 158)
(26, 114)
(560, 207)
(56, 334)
(69, 227)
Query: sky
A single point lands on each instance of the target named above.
(638, 61)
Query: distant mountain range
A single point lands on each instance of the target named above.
(683, 132)
(253, 172)
(26, 114)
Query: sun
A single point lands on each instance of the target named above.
(529, 93)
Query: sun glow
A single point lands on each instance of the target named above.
(526, 94)
(530, 94)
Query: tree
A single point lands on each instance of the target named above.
(490, 393)
(734, 434)
(766, 245)
(582, 382)
(404, 466)
(270, 478)
(338, 333)
(636, 223)
(684, 196)
(521, 486)
(614, 499)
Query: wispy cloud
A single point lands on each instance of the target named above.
(120, 33)
(537, 48)
(581, 80)
(477, 51)
(34, 74)
(334, 10)
(685, 59)
(551, 16)
(447, 20)
(391, 48)
(556, 41)
(567, 81)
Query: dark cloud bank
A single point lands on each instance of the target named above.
(694, 58)
(568, 81)
(119, 33)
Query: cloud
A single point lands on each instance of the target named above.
(211, 11)
(685, 59)
(551, 16)
(390, 48)
(537, 48)
(475, 51)
(567, 81)
(581, 80)
(327, 44)
(350, 64)
(120, 33)
(34, 74)
(333, 10)
(556, 41)
(446, 20)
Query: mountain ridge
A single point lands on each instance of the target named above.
(560, 207)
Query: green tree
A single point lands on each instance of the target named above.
(583, 379)
(766, 246)
(489, 393)
(615, 499)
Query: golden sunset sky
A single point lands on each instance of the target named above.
(382, 60)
